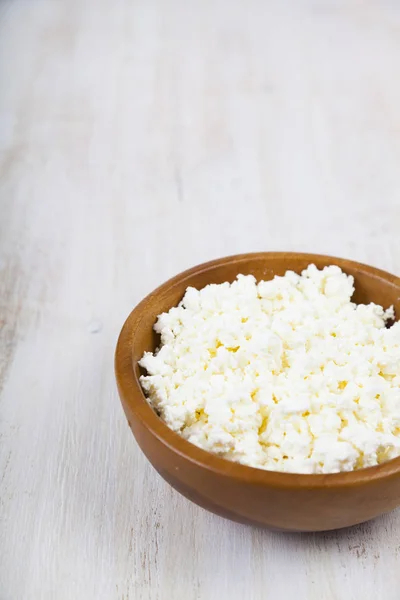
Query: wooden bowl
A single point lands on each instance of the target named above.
(275, 500)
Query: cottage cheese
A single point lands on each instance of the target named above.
(285, 375)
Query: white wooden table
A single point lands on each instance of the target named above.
(138, 138)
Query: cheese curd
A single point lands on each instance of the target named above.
(285, 375)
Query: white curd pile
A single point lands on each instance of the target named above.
(285, 375)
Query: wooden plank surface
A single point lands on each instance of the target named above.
(138, 138)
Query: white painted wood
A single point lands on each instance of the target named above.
(139, 138)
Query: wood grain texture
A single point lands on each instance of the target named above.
(138, 139)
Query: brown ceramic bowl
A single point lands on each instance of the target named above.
(271, 499)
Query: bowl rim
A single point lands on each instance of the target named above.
(136, 406)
